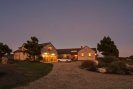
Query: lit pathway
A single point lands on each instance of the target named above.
(70, 76)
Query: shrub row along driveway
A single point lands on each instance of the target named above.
(70, 76)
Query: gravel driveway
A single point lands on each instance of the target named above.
(70, 76)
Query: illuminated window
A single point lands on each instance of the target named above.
(49, 48)
(53, 54)
(89, 54)
(75, 55)
(73, 51)
(45, 53)
(64, 56)
(82, 54)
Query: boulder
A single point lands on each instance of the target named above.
(4, 60)
(102, 70)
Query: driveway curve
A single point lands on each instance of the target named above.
(70, 76)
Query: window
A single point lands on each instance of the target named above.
(82, 54)
(49, 48)
(64, 56)
(73, 51)
(45, 53)
(53, 54)
(89, 54)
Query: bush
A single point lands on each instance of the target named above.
(102, 64)
(109, 59)
(117, 67)
(2, 73)
(89, 65)
(131, 57)
(105, 61)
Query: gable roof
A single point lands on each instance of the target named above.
(45, 44)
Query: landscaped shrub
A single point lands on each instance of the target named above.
(2, 73)
(102, 64)
(105, 61)
(109, 59)
(89, 65)
(117, 67)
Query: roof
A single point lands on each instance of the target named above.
(94, 49)
(19, 51)
(67, 51)
(71, 50)
(45, 44)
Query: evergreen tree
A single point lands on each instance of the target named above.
(107, 47)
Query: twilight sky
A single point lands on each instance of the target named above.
(67, 23)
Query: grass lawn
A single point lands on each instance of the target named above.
(20, 73)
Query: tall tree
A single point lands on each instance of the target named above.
(4, 50)
(107, 47)
(33, 48)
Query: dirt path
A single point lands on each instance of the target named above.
(70, 76)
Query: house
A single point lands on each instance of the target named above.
(83, 53)
(20, 54)
(50, 54)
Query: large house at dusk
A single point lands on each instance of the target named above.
(50, 54)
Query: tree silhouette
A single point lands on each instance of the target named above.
(33, 48)
(4, 50)
(107, 47)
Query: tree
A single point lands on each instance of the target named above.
(107, 47)
(4, 50)
(131, 57)
(33, 48)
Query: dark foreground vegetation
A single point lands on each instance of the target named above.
(111, 65)
(20, 73)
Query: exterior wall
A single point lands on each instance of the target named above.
(86, 54)
(49, 55)
(68, 56)
(20, 56)
(65, 56)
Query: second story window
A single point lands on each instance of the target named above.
(49, 48)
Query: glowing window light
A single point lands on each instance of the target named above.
(82, 54)
(45, 53)
(49, 48)
(73, 51)
(53, 54)
(75, 55)
(89, 54)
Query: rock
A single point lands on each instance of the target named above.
(102, 70)
(4, 60)
(129, 66)
(96, 62)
